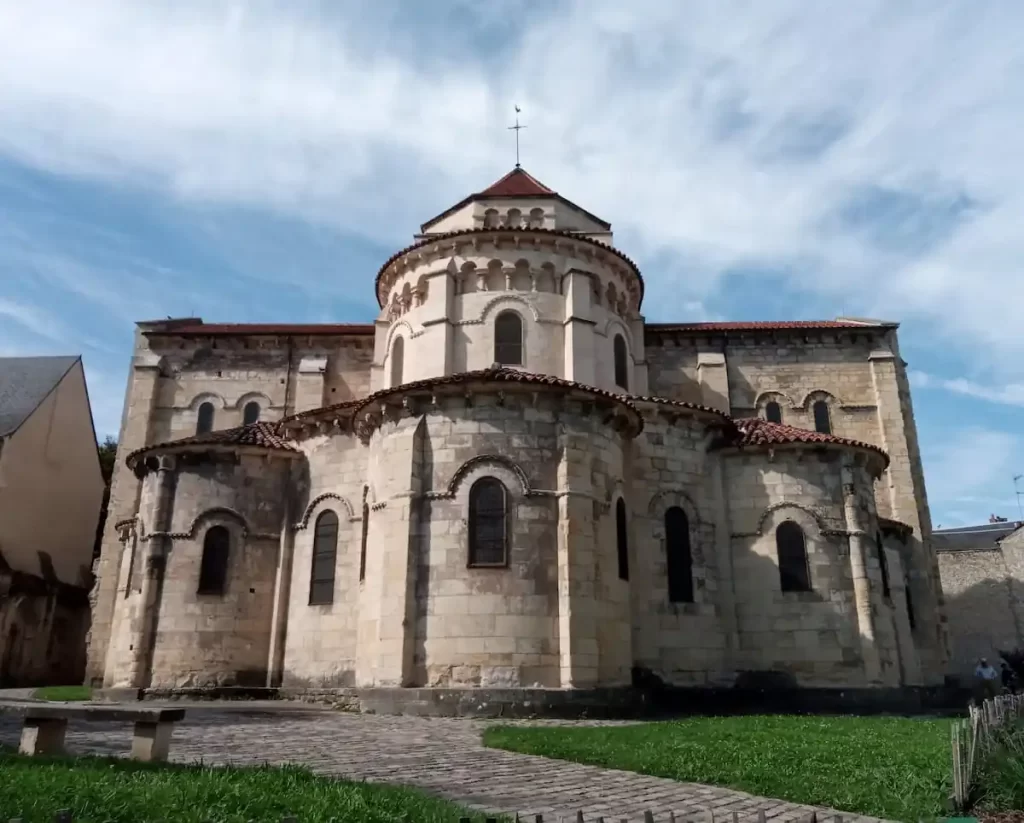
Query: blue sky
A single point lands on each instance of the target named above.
(258, 161)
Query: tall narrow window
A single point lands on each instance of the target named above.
(679, 556)
(622, 539)
(910, 605)
(362, 542)
(822, 421)
(883, 565)
(792, 550)
(213, 568)
(488, 526)
(621, 362)
(204, 418)
(251, 413)
(325, 557)
(508, 339)
(772, 412)
(397, 361)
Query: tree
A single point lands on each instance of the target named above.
(107, 451)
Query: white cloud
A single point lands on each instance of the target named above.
(714, 135)
(1010, 394)
(971, 475)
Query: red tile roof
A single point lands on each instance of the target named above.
(503, 375)
(517, 183)
(665, 401)
(259, 435)
(199, 329)
(524, 231)
(763, 325)
(753, 431)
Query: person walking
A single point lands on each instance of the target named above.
(986, 677)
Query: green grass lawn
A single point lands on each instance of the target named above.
(891, 767)
(63, 693)
(100, 790)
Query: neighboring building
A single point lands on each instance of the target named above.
(982, 571)
(510, 479)
(51, 489)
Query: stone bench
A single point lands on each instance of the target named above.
(45, 726)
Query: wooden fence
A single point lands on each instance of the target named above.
(974, 737)
(65, 816)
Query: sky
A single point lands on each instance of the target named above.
(258, 161)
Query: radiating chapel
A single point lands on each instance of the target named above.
(510, 480)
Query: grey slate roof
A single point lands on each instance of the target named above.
(24, 384)
(973, 538)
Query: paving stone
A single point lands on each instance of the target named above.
(444, 756)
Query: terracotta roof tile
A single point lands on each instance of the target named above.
(502, 375)
(753, 431)
(517, 183)
(221, 329)
(665, 401)
(761, 325)
(260, 435)
(550, 232)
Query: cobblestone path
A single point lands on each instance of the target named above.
(443, 756)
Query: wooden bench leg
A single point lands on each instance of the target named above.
(152, 741)
(43, 736)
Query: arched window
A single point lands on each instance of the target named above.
(622, 539)
(325, 556)
(362, 542)
(886, 593)
(621, 362)
(536, 218)
(204, 418)
(679, 556)
(213, 568)
(491, 219)
(508, 339)
(772, 412)
(792, 550)
(822, 421)
(488, 526)
(397, 361)
(514, 218)
(251, 413)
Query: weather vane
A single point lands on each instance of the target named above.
(516, 129)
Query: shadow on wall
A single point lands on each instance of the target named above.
(984, 619)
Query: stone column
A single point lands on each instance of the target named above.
(713, 378)
(136, 422)
(157, 506)
(861, 583)
(724, 564)
(901, 496)
(282, 589)
(577, 618)
(309, 384)
(580, 353)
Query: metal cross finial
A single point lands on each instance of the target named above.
(516, 129)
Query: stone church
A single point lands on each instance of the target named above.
(511, 480)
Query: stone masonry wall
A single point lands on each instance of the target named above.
(170, 377)
(321, 644)
(984, 593)
(487, 626)
(811, 636)
(681, 643)
(210, 640)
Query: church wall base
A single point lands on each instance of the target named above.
(602, 703)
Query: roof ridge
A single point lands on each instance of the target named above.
(509, 185)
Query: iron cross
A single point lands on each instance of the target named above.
(516, 129)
